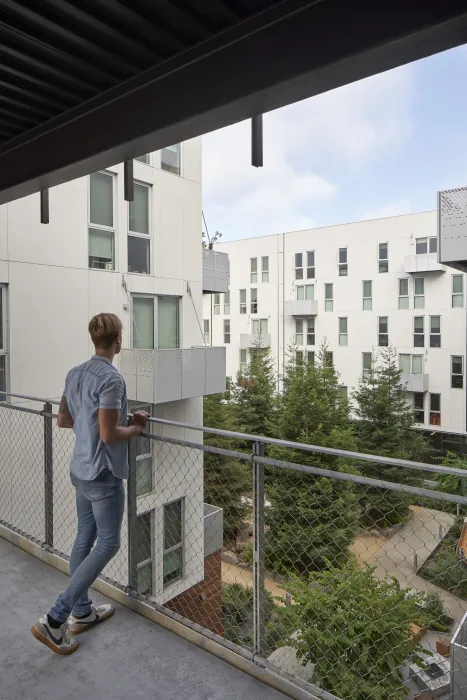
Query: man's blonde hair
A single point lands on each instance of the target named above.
(104, 330)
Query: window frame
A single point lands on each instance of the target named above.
(310, 356)
(226, 331)
(457, 374)
(403, 296)
(298, 275)
(141, 406)
(208, 331)
(343, 265)
(226, 303)
(419, 411)
(259, 321)
(434, 412)
(137, 234)
(418, 333)
(411, 357)
(368, 307)
(383, 263)
(299, 334)
(243, 304)
(382, 333)
(299, 357)
(417, 296)
(146, 156)
(265, 270)
(433, 334)
(111, 230)
(155, 298)
(305, 288)
(177, 547)
(328, 301)
(455, 295)
(243, 364)
(216, 304)
(180, 160)
(420, 241)
(150, 561)
(310, 269)
(343, 322)
(254, 272)
(254, 301)
(367, 371)
(310, 332)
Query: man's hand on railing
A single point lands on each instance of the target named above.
(140, 419)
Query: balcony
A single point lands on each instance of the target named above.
(415, 382)
(302, 308)
(215, 272)
(159, 376)
(427, 262)
(253, 340)
(213, 529)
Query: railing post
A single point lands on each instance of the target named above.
(48, 476)
(258, 550)
(132, 515)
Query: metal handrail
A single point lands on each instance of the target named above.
(345, 454)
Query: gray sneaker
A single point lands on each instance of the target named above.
(59, 640)
(98, 614)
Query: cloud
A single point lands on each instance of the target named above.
(309, 149)
(395, 208)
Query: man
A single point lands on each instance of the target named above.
(94, 404)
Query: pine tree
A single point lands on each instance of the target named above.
(311, 520)
(385, 427)
(226, 479)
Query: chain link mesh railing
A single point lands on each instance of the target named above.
(351, 586)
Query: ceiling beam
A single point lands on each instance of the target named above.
(233, 76)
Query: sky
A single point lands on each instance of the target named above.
(379, 147)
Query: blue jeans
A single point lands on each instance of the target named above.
(100, 504)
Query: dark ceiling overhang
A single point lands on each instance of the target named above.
(84, 85)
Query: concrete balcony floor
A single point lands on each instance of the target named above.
(126, 657)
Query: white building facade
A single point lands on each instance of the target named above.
(360, 286)
(141, 260)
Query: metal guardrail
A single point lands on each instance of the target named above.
(305, 534)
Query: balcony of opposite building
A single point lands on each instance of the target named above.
(159, 376)
(302, 308)
(417, 383)
(427, 262)
(250, 341)
(215, 272)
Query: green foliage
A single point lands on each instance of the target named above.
(254, 395)
(356, 629)
(209, 243)
(312, 519)
(433, 613)
(385, 427)
(444, 569)
(450, 483)
(225, 478)
(237, 612)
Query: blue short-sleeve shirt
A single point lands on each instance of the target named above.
(88, 387)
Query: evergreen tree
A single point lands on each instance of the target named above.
(254, 394)
(311, 520)
(226, 479)
(385, 427)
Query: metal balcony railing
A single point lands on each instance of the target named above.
(333, 580)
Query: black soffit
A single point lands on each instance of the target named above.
(88, 83)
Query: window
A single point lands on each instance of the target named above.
(419, 406)
(243, 361)
(253, 270)
(383, 337)
(265, 269)
(457, 372)
(419, 332)
(435, 409)
(419, 293)
(310, 332)
(298, 266)
(367, 295)
(143, 159)
(170, 159)
(143, 454)
(299, 331)
(243, 301)
(144, 553)
(343, 267)
(411, 364)
(226, 331)
(310, 357)
(207, 332)
(457, 291)
(404, 293)
(254, 301)
(306, 291)
(328, 300)
(3, 343)
(426, 245)
(435, 331)
(260, 326)
(366, 364)
(173, 543)
(101, 222)
(299, 357)
(343, 336)
(310, 265)
(227, 304)
(328, 358)
(217, 304)
(165, 334)
(383, 262)
(138, 231)
(343, 391)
